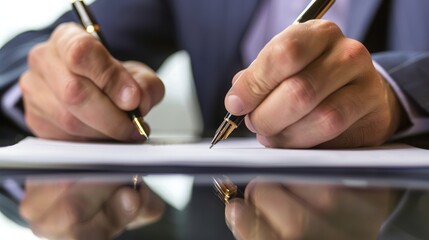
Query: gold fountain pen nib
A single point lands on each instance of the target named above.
(138, 122)
(225, 189)
(224, 130)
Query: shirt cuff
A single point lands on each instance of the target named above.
(419, 122)
(10, 106)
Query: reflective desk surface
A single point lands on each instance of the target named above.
(300, 204)
(294, 203)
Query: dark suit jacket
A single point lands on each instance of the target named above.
(211, 31)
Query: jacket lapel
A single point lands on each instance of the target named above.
(214, 43)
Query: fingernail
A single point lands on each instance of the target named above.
(128, 204)
(234, 104)
(233, 212)
(231, 217)
(126, 93)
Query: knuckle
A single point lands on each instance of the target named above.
(257, 86)
(74, 91)
(284, 50)
(106, 75)
(333, 123)
(78, 49)
(67, 121)
(328, 27)
(74, 212)
(354, 51)
(301, 94)
(61, 29)
(34, 55)
(263, 126)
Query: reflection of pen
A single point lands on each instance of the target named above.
(91, 26)
(315, 10)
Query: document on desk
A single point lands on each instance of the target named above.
(39, 153)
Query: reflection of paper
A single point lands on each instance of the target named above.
(233, 152)
(174, 189)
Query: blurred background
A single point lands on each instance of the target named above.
(179, 103)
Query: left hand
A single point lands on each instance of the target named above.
(310, 86)
(87, 208)
(279, 211)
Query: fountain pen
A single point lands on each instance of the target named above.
(315, 10)
(92, 27)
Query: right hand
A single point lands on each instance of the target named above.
(275, 210)
(75, 90)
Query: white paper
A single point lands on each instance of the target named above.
(35, 152)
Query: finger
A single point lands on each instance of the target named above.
(87, 57)
(85, 101)
(118, 210)
(298, 95)
(244, 223)
(151, 87)
(46, 117)
(80, 97)
(338, 204)
(282, 212)
(39, 196)
(326, 122)
(124, 208)
(284, 56)
(80, 203)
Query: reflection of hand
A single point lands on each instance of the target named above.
(277, 211)
(87, 209)
(311, 86)
(75, 90)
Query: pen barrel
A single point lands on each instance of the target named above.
(88, 20)
(315, 10)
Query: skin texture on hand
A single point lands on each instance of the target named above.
(273, 210)
(75, 90)
(310, 86)
(87, 208)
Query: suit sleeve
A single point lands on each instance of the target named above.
(410, 71)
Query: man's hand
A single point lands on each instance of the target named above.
(87, 209)
(75, 90)
(280, 211)
(312, 87)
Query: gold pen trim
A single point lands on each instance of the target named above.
(138, 122)
(225, 189)
(92, 29)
